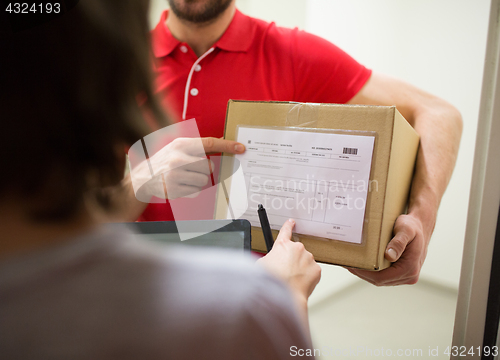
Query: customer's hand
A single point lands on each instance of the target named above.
(291, 262)
(181, 168)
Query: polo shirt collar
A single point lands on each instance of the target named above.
(237, 37)
(239, 34)
(163, 41)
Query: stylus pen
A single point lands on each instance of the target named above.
(266, 228)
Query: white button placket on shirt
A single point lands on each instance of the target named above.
(194, 91)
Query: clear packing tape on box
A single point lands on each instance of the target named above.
(301, 164)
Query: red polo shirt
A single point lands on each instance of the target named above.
(253, 60)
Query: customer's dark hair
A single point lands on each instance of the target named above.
(70, 91)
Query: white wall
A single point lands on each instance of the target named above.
(288, 13)
(437, 45)
(156, 7)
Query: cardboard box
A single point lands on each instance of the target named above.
(395, 149)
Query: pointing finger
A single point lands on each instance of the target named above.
(214, 145)
(286, 230)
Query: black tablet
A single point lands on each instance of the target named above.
(233, 234)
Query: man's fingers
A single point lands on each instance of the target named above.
(199, 165)
(191, 178)
(187, 191)
(214, 145)
(396, 246)
(405, 232)
(286, 230)
(207, 145)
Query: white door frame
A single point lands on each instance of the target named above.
(483, 204)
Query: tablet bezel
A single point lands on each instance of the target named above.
(169, 227)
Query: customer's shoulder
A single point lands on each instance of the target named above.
(147, 296)
(219, 271)
(210, 285)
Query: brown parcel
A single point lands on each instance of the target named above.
(396, 145)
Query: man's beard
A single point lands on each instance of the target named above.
(187, 9)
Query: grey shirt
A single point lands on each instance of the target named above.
(112, 295)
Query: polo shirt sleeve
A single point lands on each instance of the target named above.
(322, 71)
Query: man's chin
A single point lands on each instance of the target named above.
(199, 11)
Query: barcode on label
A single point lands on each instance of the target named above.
(351, 151)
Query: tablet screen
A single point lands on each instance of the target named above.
(226, 239)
